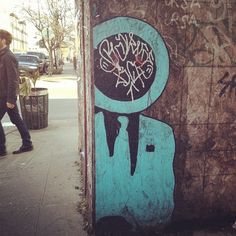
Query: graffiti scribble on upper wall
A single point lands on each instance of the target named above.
(126, 63)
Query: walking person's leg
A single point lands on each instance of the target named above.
(23, 130)
(2, 134)
(2, 141)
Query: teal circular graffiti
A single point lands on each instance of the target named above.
(150, 35)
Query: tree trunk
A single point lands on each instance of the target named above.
(55, 58)
(50, 71)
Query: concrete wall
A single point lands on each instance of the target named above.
(195, 175)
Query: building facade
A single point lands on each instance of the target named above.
(16, 26)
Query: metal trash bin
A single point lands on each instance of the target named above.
(34, 108)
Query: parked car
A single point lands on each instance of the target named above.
(17, 54)
(30, 63)
(43, 58)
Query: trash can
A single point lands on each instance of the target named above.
(34, 108)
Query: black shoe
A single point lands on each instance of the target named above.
(3, 153)
(23, 149)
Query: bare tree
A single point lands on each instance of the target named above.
(53, 19)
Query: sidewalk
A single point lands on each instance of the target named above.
(39, 190)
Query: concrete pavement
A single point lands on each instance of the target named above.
(40, 190)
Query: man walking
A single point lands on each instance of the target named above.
(9, 87)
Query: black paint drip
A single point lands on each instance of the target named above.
(112, 126)
(133, 133)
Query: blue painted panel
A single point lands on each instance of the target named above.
(147, 196)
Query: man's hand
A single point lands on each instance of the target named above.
(10, 105)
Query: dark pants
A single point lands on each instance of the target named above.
(17, 121)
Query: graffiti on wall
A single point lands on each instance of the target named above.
(229, 84)
(176, 18)
(210, 22)
(211, 41)
(212, 37)
(201, 42)
(133, 153)
(126, 63)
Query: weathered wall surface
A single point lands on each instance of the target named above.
(199, 100)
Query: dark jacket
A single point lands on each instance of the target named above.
(9, 76)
